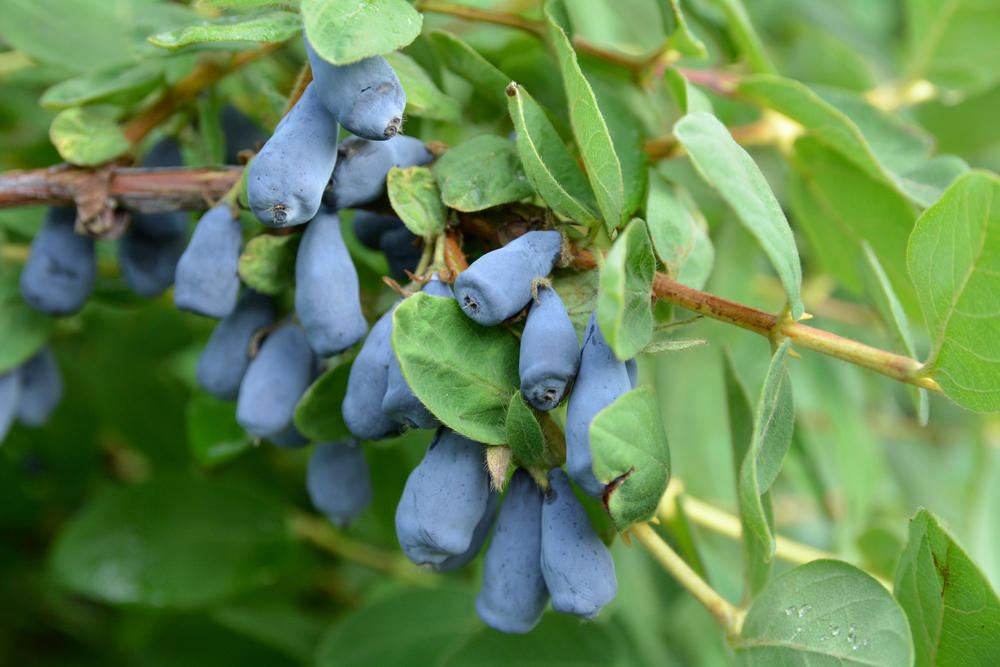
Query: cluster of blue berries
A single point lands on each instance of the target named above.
(543, 546)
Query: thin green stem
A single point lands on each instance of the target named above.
(320, 533)
(729, 617)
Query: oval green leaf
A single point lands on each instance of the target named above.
(547, 162)
(482, 172)
(317, 416)
(953, 611)
(272, 27)
(119, 84)
(174, 543)
(604, 169)
(524, 434)
(267, 263)
(416, 200)
(772, 435)
(679, 232)
(825, 612)
(345, 31)
(629, 449)
(730, 170)
(464, 373)
(624, 312)
(954, 259)
(88, 136)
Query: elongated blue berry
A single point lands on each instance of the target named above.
(10, 397)
(274, 382)
(207, 281)
(285, 182)
(550, 353)
(362, 165)
(224, 360)
(362, 406)
(443, 501)
(365, 96)
(576, 565)
(498, 284)
(602, 379)
(400, 403)
(149, 250)
(61, 267)
(513, 595)
(338, 481)
(369, 227)
(326, 288)
(41, 388)
(479, 535)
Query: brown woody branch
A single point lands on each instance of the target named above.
(170, 189)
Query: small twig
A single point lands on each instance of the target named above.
(536, 28)
(722, 522)
(320, 533)
(726, 613)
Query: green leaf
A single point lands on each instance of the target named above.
(82, 35)
(825, 612)
(174, 543)
(888, 150)
(416, 200)
(682, 39)
(757, 563)
(317, 416)
(423, 621)
(345, 31)
(466, 62)
(23, 329)
(688, 97)
(126, 84)
(772, 434)
(742, 32)
(214, 437)
(624, 312)
(604, 169)
(837, 206)
(481, 172)
(272, 27)
(524, 434)
(890, 311)
(547, 162)
(953, 45)
(679, 232)
(625, 129)
(267, 263)
(464, 373)
(730, 170)
(423, 97)
(88, 136)
(953, 611)
(630, 450)
(954, 260)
